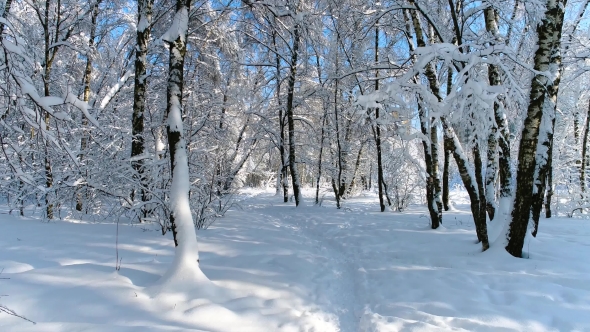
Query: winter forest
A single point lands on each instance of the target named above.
(397, 165)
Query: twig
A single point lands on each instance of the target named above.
(12, 313)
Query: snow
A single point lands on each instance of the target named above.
(82, 106)
(114, 89)
(143, 24)
(274, 267)
(179, 26)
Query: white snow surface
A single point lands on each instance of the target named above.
(272, 267)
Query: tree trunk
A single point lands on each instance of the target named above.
(181, 220)
(282, 152)
(357, 165)
(549, 180)
(542, 100)
(338, 193)
(144, 21)
(445, 187)
(290, 120)
(433, 188)
(477, 162)
(48, 63)
(541, 172)
(447, 150)
(86, 96)
(500, 135)
(435, 214)
(491, 172)
(380, 180)
(585, 152)
(467, 175)
(317, 190)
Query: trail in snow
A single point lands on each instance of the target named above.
(337, 286)
(287, 269)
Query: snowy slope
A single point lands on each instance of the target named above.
(281, 268)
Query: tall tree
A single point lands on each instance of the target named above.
(380, 180)
(537, 124)
(181, 221)
(430, 131)
(144, 23)
(86, 96)
(290, 110)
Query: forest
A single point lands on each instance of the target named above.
(175, 116)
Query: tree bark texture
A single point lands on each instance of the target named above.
(290, 116)
(585, 152)
(541, 175)
(144, 21)
(176, 141)
(541, 100)
(468, 177)
(429, 129)
(378, 131)
(86, 96)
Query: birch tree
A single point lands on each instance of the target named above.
(537, 132)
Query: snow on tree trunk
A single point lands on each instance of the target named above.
(498, 160)
(429, 129)
(185, 265)
(549, 181)
(542, 169)
(447, 151)
(542, 100)
(48, 64)
(435, 213)
(445, 176)
(491, 172)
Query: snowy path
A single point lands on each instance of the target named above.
(337, 284)
(287, 269)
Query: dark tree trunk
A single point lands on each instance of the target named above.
(49, 57)
(477, 207)
(447, 150)
(540, 180)
(284, 166)
(290, 116)
(144, 8)
(380, 179)
(480, 187)
(549, 180)
(543, 90)
(445, 188)
(86, 97)
(338, 193)
(585, 152)
(317, 190)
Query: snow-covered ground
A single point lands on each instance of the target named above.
(281, 268)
